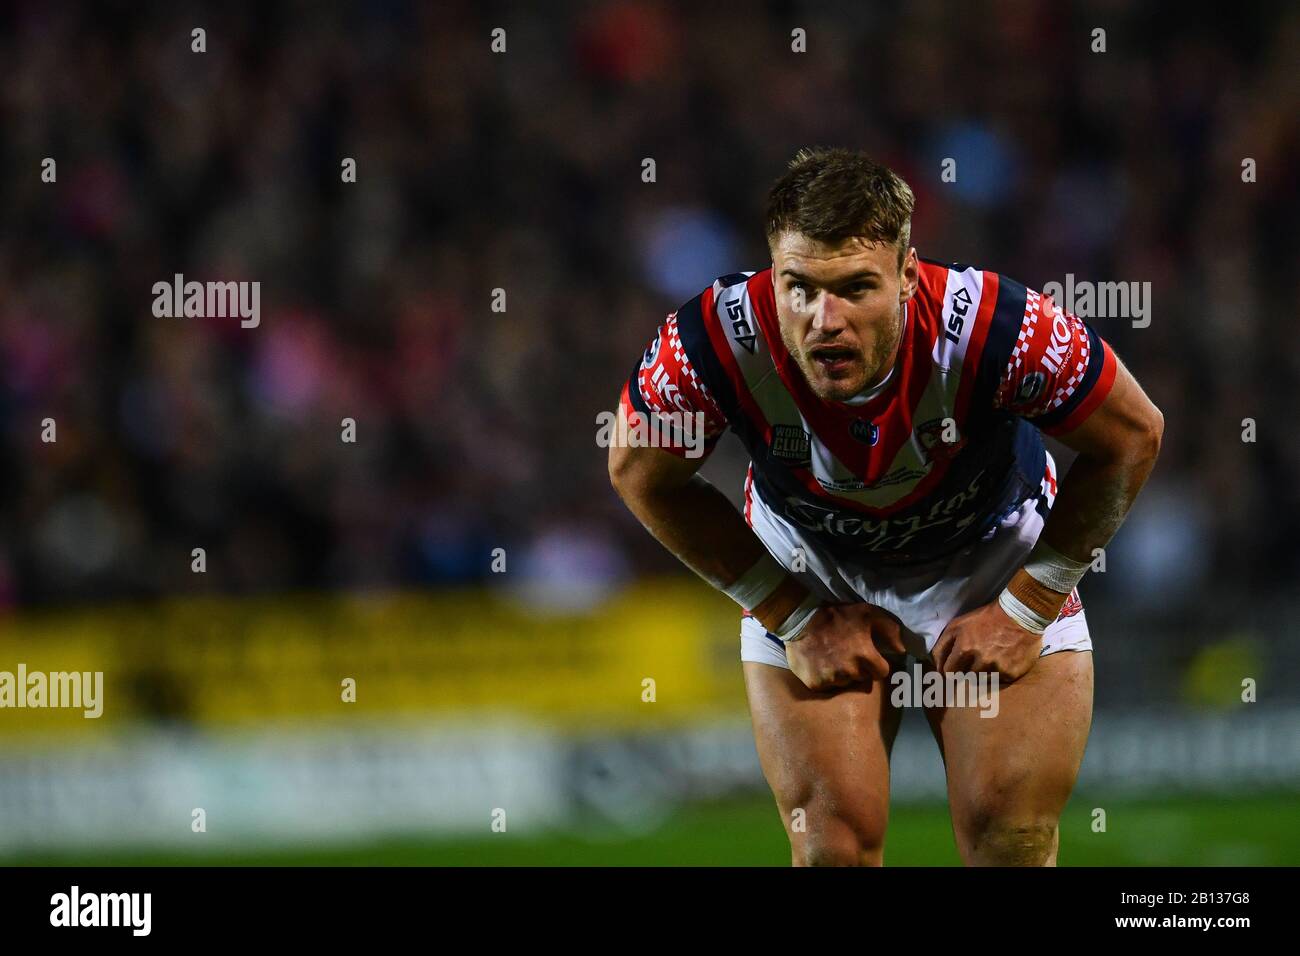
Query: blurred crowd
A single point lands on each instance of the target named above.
(521, 171)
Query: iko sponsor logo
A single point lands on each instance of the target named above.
(668, 391)
(1059, 350)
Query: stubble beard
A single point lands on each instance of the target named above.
(872, 365)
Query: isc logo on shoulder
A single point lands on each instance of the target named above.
(740, 326)
(961, 302)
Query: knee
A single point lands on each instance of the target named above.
(1010, 839)
(839, 842)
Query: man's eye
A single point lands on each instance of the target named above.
(857, 288)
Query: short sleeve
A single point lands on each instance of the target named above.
(666, 393)
(1059, 369)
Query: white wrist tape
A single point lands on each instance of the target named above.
(792, 627)
(754, 586)
(1022, 613)
(1054, 570)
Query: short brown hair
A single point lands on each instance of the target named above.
(830, 195)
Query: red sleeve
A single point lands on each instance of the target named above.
(1060, 369)
(669, 400)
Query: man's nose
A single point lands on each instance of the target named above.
(828, 318)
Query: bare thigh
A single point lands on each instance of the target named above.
(1010, 776)
(826, 757)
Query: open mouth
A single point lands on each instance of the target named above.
(833, 359)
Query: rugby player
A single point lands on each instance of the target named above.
(900, 500)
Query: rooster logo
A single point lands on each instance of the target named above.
(937, 451)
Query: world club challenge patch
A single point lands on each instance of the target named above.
(790, 444)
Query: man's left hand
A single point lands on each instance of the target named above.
(987, 640)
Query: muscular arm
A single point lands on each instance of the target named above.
(693, 520)
(1117, 445)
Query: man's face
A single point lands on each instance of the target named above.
(840, 308)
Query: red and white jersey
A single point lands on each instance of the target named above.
(922, 464)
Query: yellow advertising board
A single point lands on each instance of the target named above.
(658, 651)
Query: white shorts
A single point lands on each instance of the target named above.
(925, 599)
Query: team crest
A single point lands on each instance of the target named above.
(651, 353)
(1030, 388)
(937, 451)
(864, 431)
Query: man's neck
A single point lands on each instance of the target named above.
(871, 391)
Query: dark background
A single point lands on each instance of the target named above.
(329, 562)
(522, 171)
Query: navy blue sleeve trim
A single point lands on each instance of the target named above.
(959, 266)
(735, 278)
(699, 350)
(1004, 330)
(634, 396)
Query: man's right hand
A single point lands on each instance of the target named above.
(843, 645)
